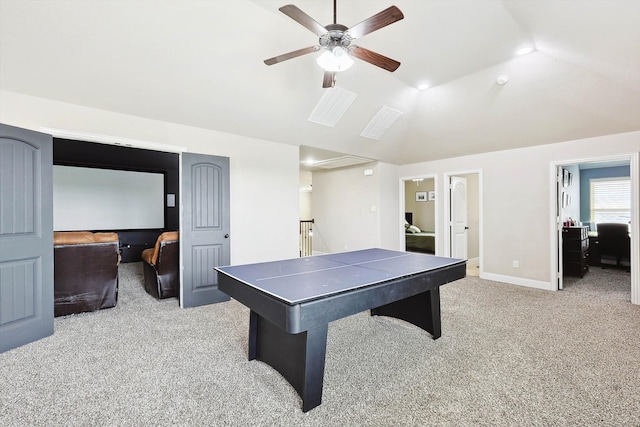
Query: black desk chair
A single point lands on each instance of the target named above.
(614, 241)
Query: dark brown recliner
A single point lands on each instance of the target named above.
(161, 263)
(85, 271)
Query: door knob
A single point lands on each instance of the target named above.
(226, 236)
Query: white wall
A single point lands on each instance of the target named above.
(391, 213)
(305, 186)
(517, 201)
(354, 211)
(342, 200)
(263, 174)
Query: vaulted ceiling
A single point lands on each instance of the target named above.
(200, 63)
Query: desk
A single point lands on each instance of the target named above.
(292, 302)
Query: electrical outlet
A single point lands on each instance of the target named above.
(516, 264)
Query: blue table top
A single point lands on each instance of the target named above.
(298, 280)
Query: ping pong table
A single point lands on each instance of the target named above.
(292, 301)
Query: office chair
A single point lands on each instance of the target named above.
(614, 241)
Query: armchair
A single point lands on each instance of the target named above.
(161, 263)
(85, 271)
(614, 242)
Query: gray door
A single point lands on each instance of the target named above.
(204, 228)
(26, 236)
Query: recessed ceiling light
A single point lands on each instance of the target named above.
(423, 86)
(524, 50)
(502, 79)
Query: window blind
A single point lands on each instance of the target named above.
(611, 200)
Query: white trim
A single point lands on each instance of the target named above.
(635, 228)
(555, 255)
(181, 284)
(112, 140)
(529, 283)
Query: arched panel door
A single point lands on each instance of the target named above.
(204, 229)
(459, 217)
(26, 236)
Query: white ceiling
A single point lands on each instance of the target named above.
(199, 63)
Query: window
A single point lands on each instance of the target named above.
(611, 200)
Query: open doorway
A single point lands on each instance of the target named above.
(420, 214)
(591, 197)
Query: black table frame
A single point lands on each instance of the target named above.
(293, 338)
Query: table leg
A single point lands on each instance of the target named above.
(422, 310)
(300, 358)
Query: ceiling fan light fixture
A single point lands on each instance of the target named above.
(336, 60)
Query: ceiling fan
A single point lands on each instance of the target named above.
(336, 40)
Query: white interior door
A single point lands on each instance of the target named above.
(459, 225)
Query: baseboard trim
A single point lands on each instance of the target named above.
(529, 283)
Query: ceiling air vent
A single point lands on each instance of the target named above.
(332, 106)
(381, 123)
(340, 162)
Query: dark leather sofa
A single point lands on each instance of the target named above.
(160, 264)
(85, 270)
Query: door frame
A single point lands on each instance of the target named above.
(557, 226)
(634, 160)
(447, 213)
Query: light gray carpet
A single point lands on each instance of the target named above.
(508, 356)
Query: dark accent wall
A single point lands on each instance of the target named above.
(88, 154)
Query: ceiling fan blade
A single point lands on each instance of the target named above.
(329, 79)
(374, 58)
(377, 21)
(291, 55)
(303, 19)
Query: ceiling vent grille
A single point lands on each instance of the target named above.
(332, 106)
(381, 123)
(340, 162)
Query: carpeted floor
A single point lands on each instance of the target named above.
(508, 356)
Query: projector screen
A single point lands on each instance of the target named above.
(90, 199)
